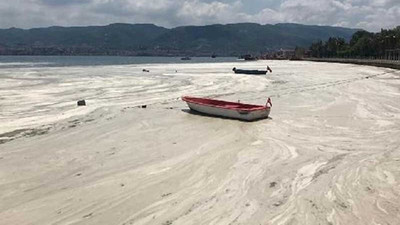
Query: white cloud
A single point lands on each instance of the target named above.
(266, 16)
(381, 18)
(367, 14)
(198, 13)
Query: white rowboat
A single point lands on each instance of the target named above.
(234, 110)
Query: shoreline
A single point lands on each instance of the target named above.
(368, 62)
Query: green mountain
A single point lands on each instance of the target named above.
(148, 39)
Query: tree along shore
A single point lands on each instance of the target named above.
(363, 45)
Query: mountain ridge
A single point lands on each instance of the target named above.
(150, 39)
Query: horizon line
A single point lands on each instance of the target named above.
(222, 24)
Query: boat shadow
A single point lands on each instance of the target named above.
(192, 112)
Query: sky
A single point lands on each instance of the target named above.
(371, 15)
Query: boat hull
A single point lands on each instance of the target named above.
(240, 114)
(253, 72)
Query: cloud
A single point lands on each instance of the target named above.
(198, 13)
(381, 18)
(63, 2)
(266, 16)
(368, 14)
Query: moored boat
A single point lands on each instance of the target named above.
(255, 72)
(248, 57)
(233, 110)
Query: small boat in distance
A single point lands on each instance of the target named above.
(255, 72)
(248, 57)
(186, 58)
(232, 110)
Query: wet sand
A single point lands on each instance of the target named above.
(329, 154)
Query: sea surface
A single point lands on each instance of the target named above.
(62, 61)
(40, 90)
(328, 154)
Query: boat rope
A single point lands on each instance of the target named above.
(324, 85)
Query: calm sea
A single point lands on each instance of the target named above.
(62, 61)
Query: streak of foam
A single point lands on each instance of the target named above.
(258, 142)
(159, 171)
(304, 176)
(293, 151)
(330, 217)
(329, 195)
(380, 208)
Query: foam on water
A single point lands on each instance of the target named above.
(38, 95)
(41, 95)
(328, 154)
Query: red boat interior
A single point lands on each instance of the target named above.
(222, 104)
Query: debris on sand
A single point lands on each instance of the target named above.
(81, 103)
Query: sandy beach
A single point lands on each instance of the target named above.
(328, 154)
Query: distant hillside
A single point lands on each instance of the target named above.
(148, 39)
